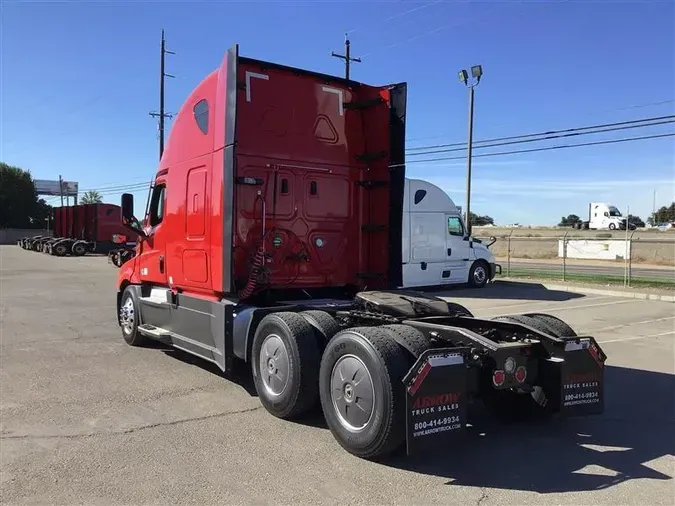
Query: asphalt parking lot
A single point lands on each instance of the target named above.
(87, 419)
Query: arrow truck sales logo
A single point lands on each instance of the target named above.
(436, 403)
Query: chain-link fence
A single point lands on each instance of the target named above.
(615, 257)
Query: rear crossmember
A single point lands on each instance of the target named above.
(388, 368)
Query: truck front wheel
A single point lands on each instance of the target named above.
(128, 319)
(479, 274)
(362, 392)
(285, 364)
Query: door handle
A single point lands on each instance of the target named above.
(161, 264)
(449, 251)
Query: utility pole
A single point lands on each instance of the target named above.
(162, 74)
(346, 57)
(476, 72)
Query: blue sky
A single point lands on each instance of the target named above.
(79, 79)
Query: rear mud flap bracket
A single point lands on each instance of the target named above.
(436, 399)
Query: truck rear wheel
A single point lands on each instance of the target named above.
(285, 364)
(324, 326)
(79, 249)
(362, 392)
(60, 250)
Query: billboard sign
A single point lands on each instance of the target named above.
(49, 187)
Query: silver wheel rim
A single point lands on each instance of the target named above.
(352, 393)
(479, 275)
(127, 316)
(274, 365)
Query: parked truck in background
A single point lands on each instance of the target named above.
(437, 249)
(273, 236)
(603, 216)
(81, 229)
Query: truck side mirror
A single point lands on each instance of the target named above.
(127, 207)
(128, 218)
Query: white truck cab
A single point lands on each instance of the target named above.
(436, 247)
(604, 216)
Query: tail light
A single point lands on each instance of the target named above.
(521, 374)
(498, 378)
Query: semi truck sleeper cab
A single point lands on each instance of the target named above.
(273, 236)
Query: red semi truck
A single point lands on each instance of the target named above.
(82, 229)
(273, 236)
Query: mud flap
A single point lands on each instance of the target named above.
(579, 378)
(436, 399)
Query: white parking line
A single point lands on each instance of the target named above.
(643, 322)
(529, 303)
(637, 337)
(563, 308)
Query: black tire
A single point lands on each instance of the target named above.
(60, 250)
(558, 327)
(479, 274)
(325, 326)
(129, 315)
(411, 339)
(300, 391)
(373, 354)
(79, 249)
(612, 226)
(529, 321)
(458, 310)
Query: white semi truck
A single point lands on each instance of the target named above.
(603, 216)
(437, 250)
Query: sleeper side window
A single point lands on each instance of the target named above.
(201, 112)
(156, 214)
(455, 226)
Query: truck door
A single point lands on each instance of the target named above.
(152, 260)
(458, 249)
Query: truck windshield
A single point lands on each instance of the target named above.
(613, 211)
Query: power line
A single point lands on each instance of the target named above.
(541, 139)
(547, 148)
(548, 132)
(592, 112)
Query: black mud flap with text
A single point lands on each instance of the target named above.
(436, 399)
(578, 377)
(582, 386)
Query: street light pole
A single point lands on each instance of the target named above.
(467, 216)
(476, 72)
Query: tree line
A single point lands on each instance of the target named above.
(20, 205)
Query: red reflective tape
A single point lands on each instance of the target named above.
(420, 378)
(594, 353)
